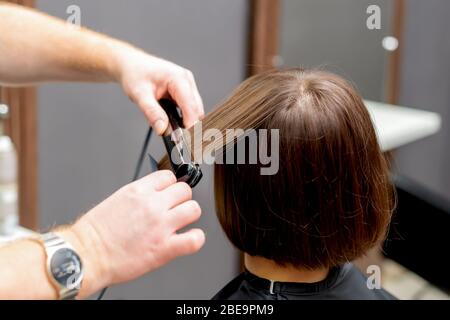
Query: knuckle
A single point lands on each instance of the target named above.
(186, 190)
(151, 110)
(133, 189)
(137, 95)
(133, 196)
(195, 208)
(189, 74)
(171, 82)
(154, 206)
(190, 244)
(169, 175)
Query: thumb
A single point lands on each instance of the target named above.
(154, 113)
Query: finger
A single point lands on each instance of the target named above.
(158, 180)
(180, 90)
(176, 194)
(198, 99)
(186, 243)
(154, 112)
(184, 214)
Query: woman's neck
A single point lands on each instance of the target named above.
(268, 269)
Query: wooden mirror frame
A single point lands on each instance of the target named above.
(22, 128)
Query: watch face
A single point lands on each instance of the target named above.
(65, 266)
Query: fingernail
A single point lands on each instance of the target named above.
(160, 126)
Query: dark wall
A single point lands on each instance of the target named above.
(425, 84)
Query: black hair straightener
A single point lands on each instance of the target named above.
(185, 169)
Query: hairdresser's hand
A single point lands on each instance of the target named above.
(146, 79)
(25, 59)
(134, 231)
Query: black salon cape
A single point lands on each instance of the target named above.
(342, 283)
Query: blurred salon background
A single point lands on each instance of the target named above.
(77, 143)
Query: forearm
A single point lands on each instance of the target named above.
(36, 47)
(23, 272)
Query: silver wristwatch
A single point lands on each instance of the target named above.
(64, 266)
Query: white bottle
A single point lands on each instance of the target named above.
(9, 209)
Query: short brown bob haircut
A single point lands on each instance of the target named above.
(331, 199)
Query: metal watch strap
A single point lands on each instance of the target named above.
(51, 240)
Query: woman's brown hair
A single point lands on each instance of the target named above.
(331, 199)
